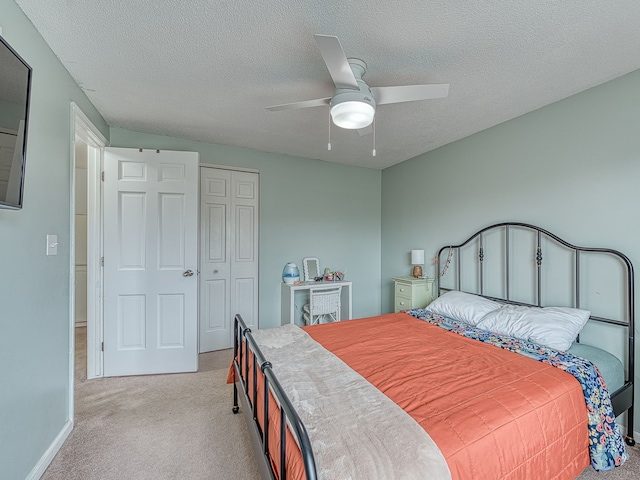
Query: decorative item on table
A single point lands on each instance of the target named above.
(311, 269)
(328, 275)
(338, 276)
(291, 273)
(417, 260)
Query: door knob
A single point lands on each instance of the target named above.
(188, 273)
(215, 271)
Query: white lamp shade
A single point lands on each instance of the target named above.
(417, 257)
(352, 115)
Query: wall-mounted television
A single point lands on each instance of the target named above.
(15, 91)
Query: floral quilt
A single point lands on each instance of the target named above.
(606, 446)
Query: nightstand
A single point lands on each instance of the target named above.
(412, 292)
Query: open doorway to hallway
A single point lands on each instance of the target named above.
(86, 235)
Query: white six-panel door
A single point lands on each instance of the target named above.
(150, 261)
(228, 254)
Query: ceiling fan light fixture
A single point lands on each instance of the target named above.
(352, 115)
(352, 109)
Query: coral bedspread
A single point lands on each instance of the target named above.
(494, 414)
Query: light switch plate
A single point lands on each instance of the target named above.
(52, 244)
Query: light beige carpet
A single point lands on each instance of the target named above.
(176, 426)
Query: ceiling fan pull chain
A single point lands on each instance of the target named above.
(374, 136)
(329, 144)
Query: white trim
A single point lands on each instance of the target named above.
(50, 453)
(624, 429)
(94, 268)
(227, 167)
(72, 265)
(84, 130)
(87, 131)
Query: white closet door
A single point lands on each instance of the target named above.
(150, 261)
(244, 248)
(228, 254)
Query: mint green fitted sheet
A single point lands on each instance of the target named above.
(609, 365)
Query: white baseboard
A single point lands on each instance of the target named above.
(47, 457)
(636, 435)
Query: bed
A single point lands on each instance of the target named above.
(425, 393)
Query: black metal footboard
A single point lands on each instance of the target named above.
(244, 347)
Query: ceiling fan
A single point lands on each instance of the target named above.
(353, 104)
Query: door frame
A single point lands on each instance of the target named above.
(84, 130)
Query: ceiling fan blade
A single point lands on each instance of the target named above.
(409, 93)
(365, 131)
(336, 61)
(318, 102)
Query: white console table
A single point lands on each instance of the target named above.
(288, 299)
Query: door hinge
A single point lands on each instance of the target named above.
(102, 176)
(102, 261)
(103, 346)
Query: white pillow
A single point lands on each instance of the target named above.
(463, 307)
(555, 327)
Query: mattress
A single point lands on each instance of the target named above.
(494, 414)
(474, 400)
(609, 365)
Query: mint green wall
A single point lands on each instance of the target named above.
(34, 288)
(307, 208)
(572, 168)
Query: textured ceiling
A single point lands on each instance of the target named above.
(206, 69)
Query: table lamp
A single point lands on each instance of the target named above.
(417, 260)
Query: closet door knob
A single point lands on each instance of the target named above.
(188, 273)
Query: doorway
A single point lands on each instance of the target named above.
(87, 248)
(86, 234)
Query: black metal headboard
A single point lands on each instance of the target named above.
(622, 399)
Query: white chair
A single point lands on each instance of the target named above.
(323, 306)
